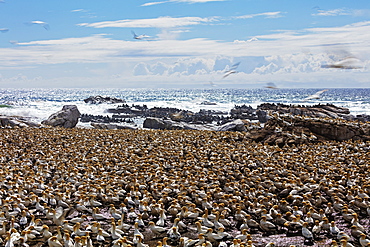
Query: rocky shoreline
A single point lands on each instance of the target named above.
(275, 124)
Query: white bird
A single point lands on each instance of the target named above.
(142, 36)
(363, 240)
(156, 230)
(232, 70)
(54, 242)
(188, 242)
(173, 234)
(315, 95)
(41, 23)
(115, 233)
(346, 63)
(98, 216)
(307, 234)
(100, 237)
(115, 214)
(334, 230)
(137, 231)
(68, 242)
(4, 30)
(271, 85)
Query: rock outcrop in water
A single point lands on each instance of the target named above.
(100, 100)
(67, 117)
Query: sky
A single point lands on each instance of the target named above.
(184, 43)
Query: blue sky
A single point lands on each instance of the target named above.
(187, 43)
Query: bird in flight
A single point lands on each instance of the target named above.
(271, 85)
(232, 70)
(314, 96)
(346, 63)
(342, 59)
(4, 30)
(41, 23)
(142, 36)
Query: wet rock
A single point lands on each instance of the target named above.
(236, 125)
(16, 122)
(67, 117)
(100, 100)
(243, 112)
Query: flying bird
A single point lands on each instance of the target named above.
(271, 85)
(142, 36)
(41, 23)
(315, 95)
(232, 70)
(212, 84)
(346, 63)
(4, 30)
(342, 59)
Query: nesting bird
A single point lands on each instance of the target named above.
(190, 188)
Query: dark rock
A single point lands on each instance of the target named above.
(164, 124)
(100, 100)
(236, 125)
(289, 129)
(322, 111)
(16, 122)
(243, 112)
(125, 118)
(67, 117)
(206, 102)
(262, 116)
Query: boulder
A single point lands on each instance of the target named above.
(100, 100)
(236, 125)
(67, 117)
(262, 116)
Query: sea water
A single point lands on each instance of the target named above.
(39, 104)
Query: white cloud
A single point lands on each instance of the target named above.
(331, 12)
(160, 22)
(245, 41)
(276, 14)
(283, 55)
(78, 10)
(101, 48)
(342, 11)
(181, 1)
(153, 3)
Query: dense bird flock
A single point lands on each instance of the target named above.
(83, 187)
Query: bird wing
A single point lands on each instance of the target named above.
(229, 73)
(235, 66)
(59, 212)
(315, 95)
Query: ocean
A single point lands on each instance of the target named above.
(39, 104)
